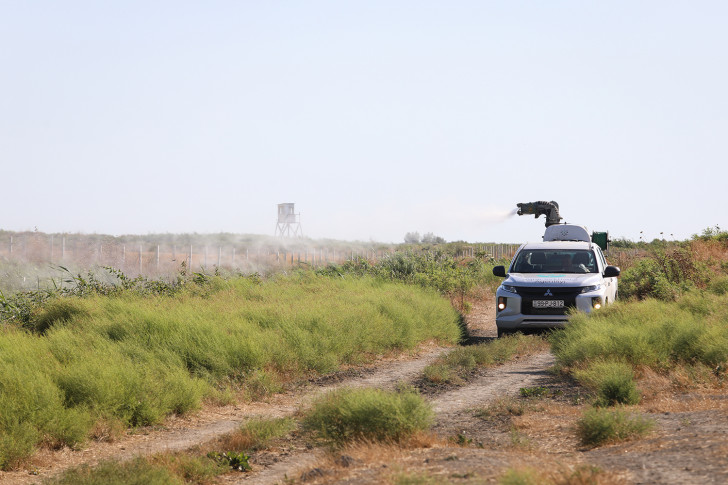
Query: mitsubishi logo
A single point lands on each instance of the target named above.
(548, 293)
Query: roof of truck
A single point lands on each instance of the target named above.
(566, 232)
(558, 245)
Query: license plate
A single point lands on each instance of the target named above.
(548, 304)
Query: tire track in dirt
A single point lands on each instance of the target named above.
(451, 411)
(499, 381)
(453, 408)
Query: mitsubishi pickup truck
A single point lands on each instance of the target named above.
(546, 280)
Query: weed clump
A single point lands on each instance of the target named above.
(257, 434)
(368, 414)
(135, 472)
(599, 426)
(582, 474)
(612, 381)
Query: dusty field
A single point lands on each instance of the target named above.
(474, 440)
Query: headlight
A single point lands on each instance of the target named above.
(510, 289)
(502, 303)
(591, 288)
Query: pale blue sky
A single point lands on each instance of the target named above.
(375, 117)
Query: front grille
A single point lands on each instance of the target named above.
(528, 294)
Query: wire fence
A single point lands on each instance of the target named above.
(156, 259)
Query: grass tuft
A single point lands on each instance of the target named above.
(599, 426)
(257, 434)
(136, 472)
(347, 415)
(612, 381)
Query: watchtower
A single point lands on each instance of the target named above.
(289, 223)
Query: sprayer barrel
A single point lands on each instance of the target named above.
(548, 209)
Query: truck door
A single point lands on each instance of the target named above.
(611, 283)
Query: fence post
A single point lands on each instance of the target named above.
(140, 259)
(205, 257)
(189, 259)
(219, 256)
(63, 248)
(157, 258)
(233, 258)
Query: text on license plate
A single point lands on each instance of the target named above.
(548, 304)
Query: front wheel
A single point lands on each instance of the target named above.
(503, 332)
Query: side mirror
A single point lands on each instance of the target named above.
(499, 271)
(611, 271)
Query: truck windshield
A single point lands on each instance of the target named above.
(554, 261)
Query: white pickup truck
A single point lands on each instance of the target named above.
(547, 279)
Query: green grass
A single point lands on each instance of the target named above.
(137, 472)
(524, 476)
(656, 334)
(599, 426)
(613, 382)
(607, 351)
(345, 415)
(160, 469)
(580, 475)
(135, 359)
(258, 433)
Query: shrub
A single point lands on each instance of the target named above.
(650, 333)
(612, 381)
(646, 279)
(719, 286)
(598, 426)
(370, 414)
(664, 274)
(57, 311)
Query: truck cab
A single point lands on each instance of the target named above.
(545, 280)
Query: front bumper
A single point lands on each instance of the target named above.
(513, 318)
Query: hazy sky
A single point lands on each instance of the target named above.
(375, 117)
